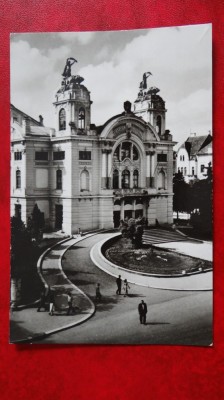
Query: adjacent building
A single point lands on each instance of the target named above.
(194, 157)
(85, 177)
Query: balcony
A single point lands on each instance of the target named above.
(130, 192)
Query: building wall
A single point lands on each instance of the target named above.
(86, 199)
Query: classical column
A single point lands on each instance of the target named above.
(131, 179)
(119, 178)
(109, 169)
(152, 170)
(104, 169)
(148, 169)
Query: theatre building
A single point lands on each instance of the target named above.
(87, 177)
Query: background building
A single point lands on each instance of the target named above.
(87, 177)
(193, 157)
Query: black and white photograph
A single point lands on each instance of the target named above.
(111, 187)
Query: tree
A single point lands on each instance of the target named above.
(182, 194)
(133, 230)
(202, 200)
(35, 224)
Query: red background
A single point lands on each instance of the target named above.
(111, 372)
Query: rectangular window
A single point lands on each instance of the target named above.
(41, 155)
(18, 155)
(161, 157)
(85, 155)
(58, 155)
(202, 168)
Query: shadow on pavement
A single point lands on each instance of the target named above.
(106, 303)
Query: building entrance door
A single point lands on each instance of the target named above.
(58, 216)
(117, 217)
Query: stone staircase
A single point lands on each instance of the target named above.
(156, 236)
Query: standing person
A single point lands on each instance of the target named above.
(119, 284)
(126, 287)
(98, 294)
(51, 301)
(70, 304)
(42, 303)
(142, 309)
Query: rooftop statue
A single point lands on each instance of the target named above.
(143, 84)
(153, 90)
(67, 70)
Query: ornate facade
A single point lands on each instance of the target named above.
(87, 177)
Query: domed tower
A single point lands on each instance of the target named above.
(72, 105)
(150, 106)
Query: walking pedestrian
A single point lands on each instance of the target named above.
(98, 294)
(119, 284)
(42, 302)
(126, 287)
(51, 302)
(142, 310)
(70, 304)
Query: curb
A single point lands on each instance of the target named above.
(46, 334)
(135, 273)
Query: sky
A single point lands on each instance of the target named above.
(112, 64)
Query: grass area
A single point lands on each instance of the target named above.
(152, 260)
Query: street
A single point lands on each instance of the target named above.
(174, 317)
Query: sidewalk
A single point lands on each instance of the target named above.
(27, 324)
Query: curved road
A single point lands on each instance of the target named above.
(173, 317)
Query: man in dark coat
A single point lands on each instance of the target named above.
(119, 284)
(142, 309)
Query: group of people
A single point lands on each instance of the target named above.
(142, 307)
(126, 286)
(43, 303)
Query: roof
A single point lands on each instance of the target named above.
(39, 131)
(25, 115)
(197, 144)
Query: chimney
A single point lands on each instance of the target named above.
(26, 125)
(41, 120)
(193, 134)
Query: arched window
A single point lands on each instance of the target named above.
(135, 179)
(161, 180)
(62, 120)
(115, 179)
(81, 123)
(59, 179)
(18, 179)
(158, 124)
(84, 180)
(125, 183)
(126, 150)
(135, 153)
